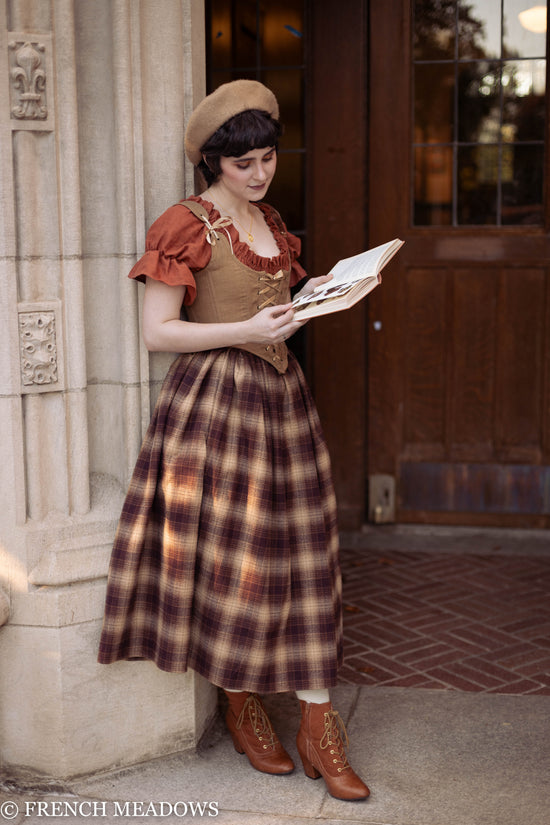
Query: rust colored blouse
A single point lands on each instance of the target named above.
(176, 248)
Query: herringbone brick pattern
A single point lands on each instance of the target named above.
(447, 621)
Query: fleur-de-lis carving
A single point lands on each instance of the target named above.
(29, 82)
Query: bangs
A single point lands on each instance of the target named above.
(252, 129)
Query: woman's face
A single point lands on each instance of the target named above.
(248, 176)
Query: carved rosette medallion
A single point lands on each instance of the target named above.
(29, 81)
(39, 348)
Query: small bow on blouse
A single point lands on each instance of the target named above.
(211, 235)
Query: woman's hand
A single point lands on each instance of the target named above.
(313, 283)
(272, 325)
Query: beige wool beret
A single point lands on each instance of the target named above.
(225, 102)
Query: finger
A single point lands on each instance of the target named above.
(282, 310)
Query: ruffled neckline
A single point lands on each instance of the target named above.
(242, 250)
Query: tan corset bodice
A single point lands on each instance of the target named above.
(228, 290)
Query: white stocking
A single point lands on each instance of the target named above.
(318, 697)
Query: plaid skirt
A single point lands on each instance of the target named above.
(226, 555)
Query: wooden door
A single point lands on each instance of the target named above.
(459, 331)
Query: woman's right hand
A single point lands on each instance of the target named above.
(272, 325)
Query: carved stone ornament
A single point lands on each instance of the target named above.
(29, 78)
(38, 347)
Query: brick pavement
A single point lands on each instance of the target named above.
(456, 621)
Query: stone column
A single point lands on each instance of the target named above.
(93, 101)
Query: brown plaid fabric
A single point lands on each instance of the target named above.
(226, 558)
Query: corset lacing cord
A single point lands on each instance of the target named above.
(272, 285)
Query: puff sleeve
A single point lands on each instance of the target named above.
(175, 249)
(297, 272)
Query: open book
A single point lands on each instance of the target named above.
(353, 278)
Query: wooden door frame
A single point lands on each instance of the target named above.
(337, 227)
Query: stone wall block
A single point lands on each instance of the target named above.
(45, 443)
(59, 607)
(108, 727)
(4, 608)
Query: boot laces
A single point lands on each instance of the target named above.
(259, 720)
(335, 737)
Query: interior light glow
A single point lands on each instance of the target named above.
(534, 19)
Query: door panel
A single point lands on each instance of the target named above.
(459, 368)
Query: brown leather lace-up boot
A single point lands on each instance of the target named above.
(253, 734)
(323, 753)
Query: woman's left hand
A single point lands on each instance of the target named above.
(313, 283)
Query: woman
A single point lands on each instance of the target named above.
(226, 557)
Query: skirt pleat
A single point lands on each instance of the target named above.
(226, 555)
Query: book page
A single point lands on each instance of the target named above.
(351, 270)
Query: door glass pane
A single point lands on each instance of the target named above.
(434, 102)
(287, 87)
(478, 171)
(524, 28)
(480, 104)
(479, 29)
(522, 193)
(282, 192)
(282, 42)
(220, 34)
(524, 83)
(434, 30)
(433, 176)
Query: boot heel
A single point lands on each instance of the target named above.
(237, 745)
(309, 769)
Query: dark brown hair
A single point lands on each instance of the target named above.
(251, 129)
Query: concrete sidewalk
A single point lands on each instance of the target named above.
(430, 757)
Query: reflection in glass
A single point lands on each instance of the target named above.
(523, 194)
(287, 87)
(479, 29)
(287, 188)
(524, 83)
(220, 34)
(433, 175)
(247, 32)
(434, 29)
(479, 102)
(517, 40)
(282, 30)
(434, 102)
(477, 180)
